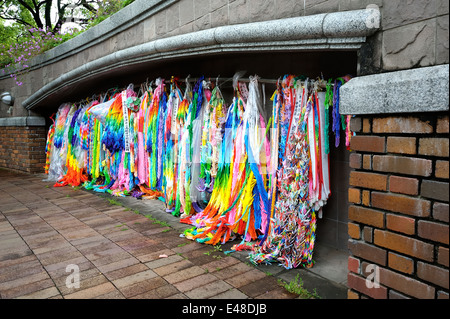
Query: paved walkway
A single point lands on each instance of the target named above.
(50, 235)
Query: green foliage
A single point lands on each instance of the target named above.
(296, 287)
(158, 222)
(27, 37)
(105, 10)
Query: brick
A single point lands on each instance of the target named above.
(352, 295)
(358, 283)
(366, 125)
(434, 147)
(367, 252)
(404, 244)
(406, 285)
(396, 295)
(368, 180)
(401, 204)
(433, 231)
(368, 234)
(435, 190)
(443, 254)
(366, 216)
(364, 143)
(355, 160)
(355, 124)
(401, 125)
(400, 263)
(401, 145)
(354, 195)
(441, 170)
(404, 185)
(401, 224)
(402, 165)
(367, 161)
(442, 125)
(366, 198)
(354, 231)
(353, 264)
(434, 274)
(442, 295)
(440, 212)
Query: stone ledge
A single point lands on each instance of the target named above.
(416, 90)
(22, 121)
(333, 31)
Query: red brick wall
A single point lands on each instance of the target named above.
(23, 148)
(399, 207)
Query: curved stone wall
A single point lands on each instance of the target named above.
(338, 31)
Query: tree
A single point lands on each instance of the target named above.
(45, 14)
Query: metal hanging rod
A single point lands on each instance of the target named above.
(221, 81)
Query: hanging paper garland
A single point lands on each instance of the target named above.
(223, 170)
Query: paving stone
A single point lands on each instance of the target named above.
(142, 287)
(195, 282)
(259, 287)
(125, 271)
(117, 251)
(92, 292)
(88, 279)
(177, 296)
(233, 271)
(42, 294)
(231, 294)
(220, 264)
(27, 288)
(208, 291)
(16, 261)
(174, 267)
(118, 264)
(184, 274)
(23, 280)
(59, 255)
(279, 293)
(164, 261)
(246, 278)
(18, 271)
(134, 278)
(155, 255)
(111, 295)
(162, 292)
(60, 272)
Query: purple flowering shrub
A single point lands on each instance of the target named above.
(16, 57)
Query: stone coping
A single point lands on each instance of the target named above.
(22, 121)
(415, 90)
(330, 31)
